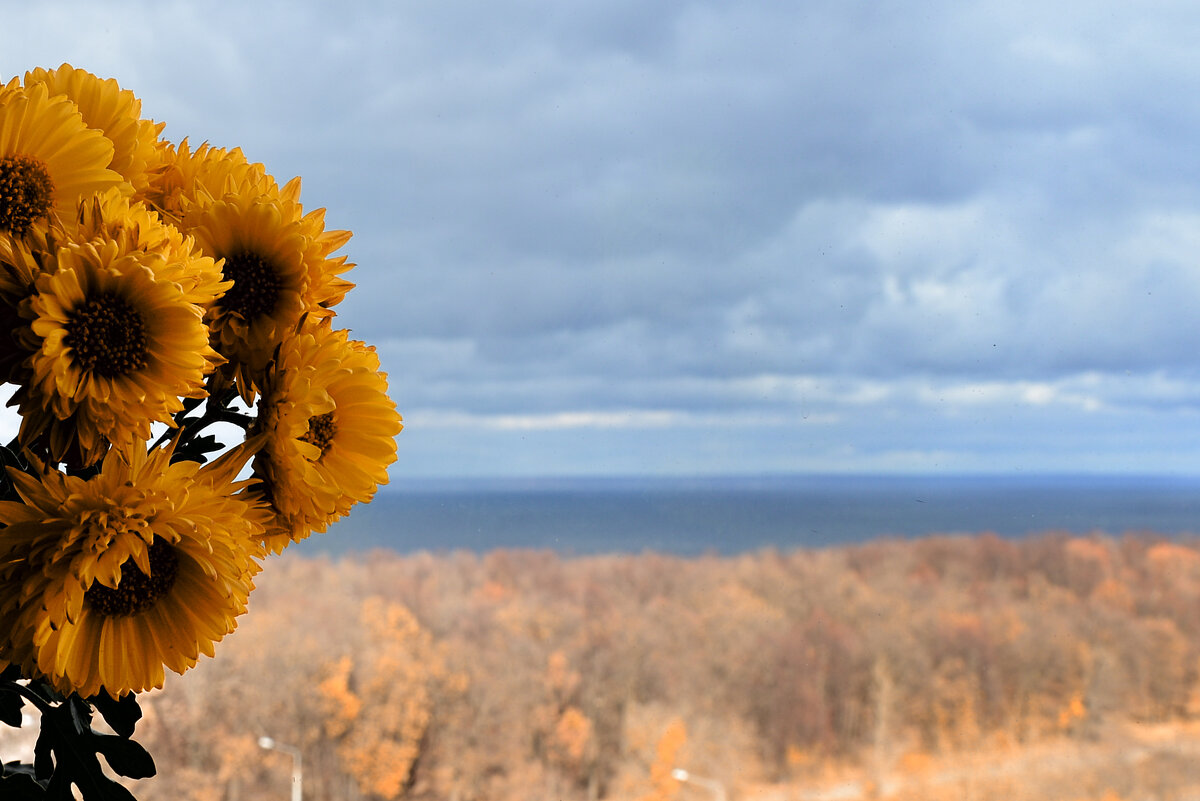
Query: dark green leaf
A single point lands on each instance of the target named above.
(45, 692)
(43, 753)
(81, 714)
(65, 754)
(10, 707)
(14, 767)
(59, 788)
(16, 786)
(193, 450)
(9, 457)
(125, 756)
(189, 404)
(122, 714)
(8, 490)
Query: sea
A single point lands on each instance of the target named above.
(730, 515)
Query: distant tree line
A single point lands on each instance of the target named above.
(522, 674)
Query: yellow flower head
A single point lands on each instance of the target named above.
(114, 349)
(139, 282)
(183, 179)
(116, 112)
(326, 287)
(136, 228)
(263, 254)
(144, 566)
(187, 183)
(49, 158)
(22, 260)
(329, 430)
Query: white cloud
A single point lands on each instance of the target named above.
(626, 419)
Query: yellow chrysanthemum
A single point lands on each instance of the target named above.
(136, 228)
(188, 185)
(186, 182)
(107, 581)
(263, 254)
(114, 349)
(183, 179)
(326, 287)
(114, 111)
(49, 158)
(329, 431)
(21, 262)
(108, 216)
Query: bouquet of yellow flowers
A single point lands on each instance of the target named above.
(187, 407)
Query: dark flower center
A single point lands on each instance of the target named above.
(136, 592)
(108, 336)
(321, 430)
(256, 285)
(26, 193)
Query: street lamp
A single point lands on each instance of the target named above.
(271, 745)
(714, 786)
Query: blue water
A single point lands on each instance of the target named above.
(727, 516)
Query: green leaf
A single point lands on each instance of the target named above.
(125, 756)
(81, 714)
(15, 767)
(10, 707)
(65, 754)
(20, 786)
(43, 754)
(122, 714)
(8, 490)
(45, 692)
(189, 404)
(193, 450)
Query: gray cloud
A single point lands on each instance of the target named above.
(679, 210)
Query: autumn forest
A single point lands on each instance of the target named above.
(891, 669)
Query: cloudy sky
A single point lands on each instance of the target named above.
(619, 236)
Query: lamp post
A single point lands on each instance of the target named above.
(297, 777)
(712, 785)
